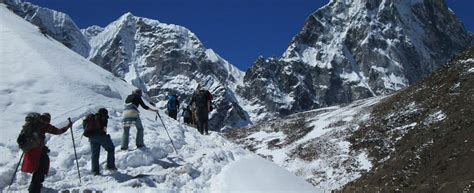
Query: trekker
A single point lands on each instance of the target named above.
(36, 159)
(187, 115)
(95, 128)
(202, 100)
(131, 116)
(172, 106)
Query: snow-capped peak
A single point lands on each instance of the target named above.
(349, 50)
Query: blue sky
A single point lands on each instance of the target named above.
(238, 30)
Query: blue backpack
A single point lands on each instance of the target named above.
(172, 103)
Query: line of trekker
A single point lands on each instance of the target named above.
(33, 144)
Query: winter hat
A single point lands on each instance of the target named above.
(137, 91)
(104, 112)
(46, 117)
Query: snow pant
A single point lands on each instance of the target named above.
(202, 119)
(39, 175)
(173, 113)
(126, 134)
(96, 142)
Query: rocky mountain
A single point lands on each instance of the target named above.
(418, 139)
(349, 50)
(56, 24)
(165, 58)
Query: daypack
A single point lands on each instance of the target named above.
(172, 102)
(187, 113)
(201, 99)
(90, 125)
(30, 136)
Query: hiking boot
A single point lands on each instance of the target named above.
(140, 146)
(112, 168)
(207, 133)
(97, 173)
(124, 149)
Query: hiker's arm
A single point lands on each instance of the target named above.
(146, 107)
(48, 128)
(143, 104)
(209, 96)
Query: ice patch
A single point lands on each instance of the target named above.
(364, 162)
(471, 70)
(435, 117)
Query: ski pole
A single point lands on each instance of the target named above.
(167, 133)
(75, 154)
(18, 165)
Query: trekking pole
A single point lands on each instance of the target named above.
(18, 165)
(75, 154)
(167, 133)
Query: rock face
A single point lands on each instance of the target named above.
(53, 23)
(350, 50)
(164, 58)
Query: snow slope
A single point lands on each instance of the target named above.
(40, 74)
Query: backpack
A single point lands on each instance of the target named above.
(172, 102)
(90, 125)
(187, 113)
(30, 136)
(201, 99)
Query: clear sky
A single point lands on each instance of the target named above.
(238, 30)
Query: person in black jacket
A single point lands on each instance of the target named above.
(96, 126)
(131, 117)
(202, 100)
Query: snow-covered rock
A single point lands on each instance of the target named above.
(91, 31)
(56, 24)
(349, 50)
(40, 74)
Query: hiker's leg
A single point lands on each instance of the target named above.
(95, 153)
(38, 176)
(202, 118)
(206, 127)
(125, 136)
(173, 114)
(139, 126)
(110, 148)
(200, 126)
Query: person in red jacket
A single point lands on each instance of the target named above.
(36, 161)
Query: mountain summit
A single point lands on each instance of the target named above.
(350, 50)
